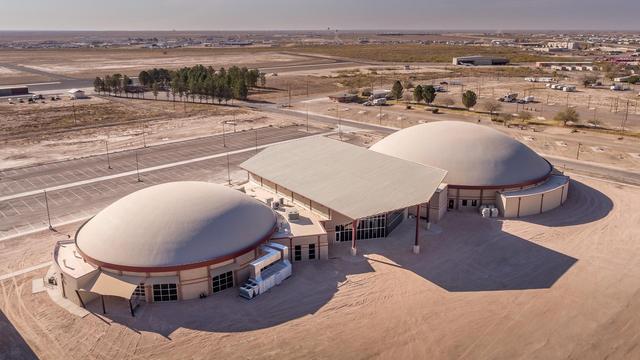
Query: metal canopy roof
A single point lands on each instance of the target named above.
(113, 285)
(349, 179)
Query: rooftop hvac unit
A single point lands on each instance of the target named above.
(275, 205)
(486, 212)
(281, 201)
(293, 215)
(494, 212)
(268, 201)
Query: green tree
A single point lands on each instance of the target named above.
(396, 90)
(469, 99)
(417, 94)
(263, 79)
(155, 88)
(98, 85)
(144, 78)
(568, 115)
(429, 94)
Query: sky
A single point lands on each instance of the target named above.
(319, 14)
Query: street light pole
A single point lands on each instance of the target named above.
(228, 169)
(46, 203)
(256, 140)
(144, 138)
(106, 143)
(224, 140)
(137, 167)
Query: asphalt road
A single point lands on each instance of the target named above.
(86, 185)
(15, 181)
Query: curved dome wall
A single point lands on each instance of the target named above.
(474, 156)
(175, 226)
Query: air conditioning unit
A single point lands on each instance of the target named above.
(293, 215)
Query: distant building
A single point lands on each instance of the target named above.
(14, 90)
(480, 60)
(77, 94)
(566, 45)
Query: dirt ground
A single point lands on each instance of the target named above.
(89, 63)
(39, 133)
(564, 284)
(603, 148)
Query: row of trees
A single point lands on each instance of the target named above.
(193, 82)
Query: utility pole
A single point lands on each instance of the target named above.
(380, 114)
(46, 203)
(106, 143)
(137, 167)
(589, 102)
(75, 120)
(578, 152)
(289, 91)
(626, 116)
(307, 85)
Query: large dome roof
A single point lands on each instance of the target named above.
(473, 155)
(175, 225)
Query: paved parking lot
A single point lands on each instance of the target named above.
(28, 213)
(26, 179)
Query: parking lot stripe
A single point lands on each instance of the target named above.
(145, 170)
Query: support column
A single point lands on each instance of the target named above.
(416, 244)
(131, 309)
(354, 226)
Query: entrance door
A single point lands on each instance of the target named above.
(451, 203)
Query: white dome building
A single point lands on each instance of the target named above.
(175, 226)
(481, 163)
(168, 242)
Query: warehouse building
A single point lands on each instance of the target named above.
(480, 60)
(484, 167)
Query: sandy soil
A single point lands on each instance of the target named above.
(598, 147)
(88, 63)
(561, 285)
(119, 121)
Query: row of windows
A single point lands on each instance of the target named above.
(297, 252)
(223, 281)
(464, 202)
(368, 228)
(139, 292)
(165, 292)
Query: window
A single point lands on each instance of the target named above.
(312, 251)
(139, 292)
(223, 281)
(165, 292)
(368, 228)
(474, 202)
(464, 202)
(451, 203)
(297, 253)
